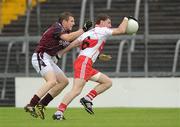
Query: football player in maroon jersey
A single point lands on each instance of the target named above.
(54, 39)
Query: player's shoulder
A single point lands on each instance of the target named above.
(101, 29)
(57, 25)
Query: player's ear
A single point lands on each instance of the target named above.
(101, 22)
(64, 22)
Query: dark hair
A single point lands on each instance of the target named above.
(102, 17)
(65, 16)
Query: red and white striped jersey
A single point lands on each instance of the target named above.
(93, 42)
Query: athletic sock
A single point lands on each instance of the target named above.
(34, 101)
(58, 112)
(45, 101)
(62, 107)
(91, 95)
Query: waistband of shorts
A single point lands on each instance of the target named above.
(86, 57)
(44, 53)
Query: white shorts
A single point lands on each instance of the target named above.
(43, 63)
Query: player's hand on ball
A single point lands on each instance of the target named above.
(132, 26)
(104, 57)
(131, 17)
(87, 25)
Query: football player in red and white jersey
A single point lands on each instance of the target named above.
(55, 38)
(91, 43)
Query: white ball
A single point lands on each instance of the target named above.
(132, 26)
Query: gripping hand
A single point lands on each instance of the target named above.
(87, 25)
(104, 57)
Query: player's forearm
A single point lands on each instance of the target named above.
(72, 36)
(122, 27)
(74, 44)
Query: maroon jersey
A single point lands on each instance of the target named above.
(51, 42)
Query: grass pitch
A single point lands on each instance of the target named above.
(104, 117)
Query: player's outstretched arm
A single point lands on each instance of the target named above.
(74, 44)
(121, 28)
(73, 35)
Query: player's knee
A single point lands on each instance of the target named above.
(66, 82)
(52, 83)
(109, 83)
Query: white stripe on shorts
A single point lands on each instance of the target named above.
(83, 68)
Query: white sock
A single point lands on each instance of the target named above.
(87, 98)
(58, 112)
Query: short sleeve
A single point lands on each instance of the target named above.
(58, 30)
(107, 31)
(56, 33)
